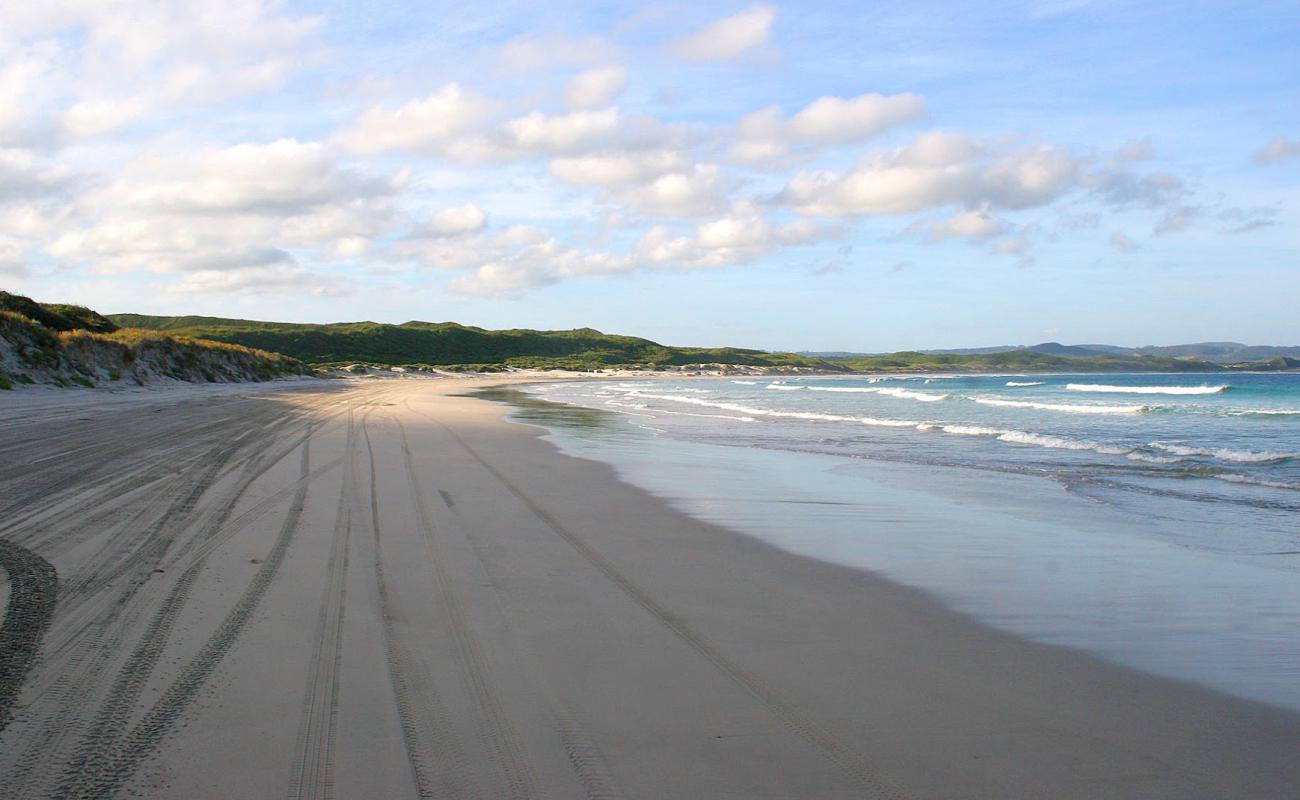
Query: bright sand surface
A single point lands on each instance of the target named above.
(378, 588)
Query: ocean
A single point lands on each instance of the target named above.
(1150, 520)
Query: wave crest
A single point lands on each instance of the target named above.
(1107, 388)
(1072, 409)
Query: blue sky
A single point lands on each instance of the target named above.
(787, 175)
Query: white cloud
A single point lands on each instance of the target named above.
(618, 169)
(129, 58)
(284, 177)
(835, 120)
(1277, 150)
(764, 136)
(563, 133)
(13, 262)
(970, 224)
(432, 125)
(696, 192)
(229, 208)
(458, 220)
(281, 276)
(98, 116)
(24, 176)
(595, 88)
(938, 169)
(729, 37)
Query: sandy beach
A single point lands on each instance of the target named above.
(383, 589)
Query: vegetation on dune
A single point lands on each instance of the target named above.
(57, 316)
(449, 344)
(74, 346)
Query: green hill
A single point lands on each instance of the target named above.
(452, 344)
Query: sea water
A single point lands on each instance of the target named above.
(1152, 520)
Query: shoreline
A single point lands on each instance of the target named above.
(514, 621)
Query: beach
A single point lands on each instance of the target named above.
(383, 588)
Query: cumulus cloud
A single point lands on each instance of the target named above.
(728, 38)
(940, 169)
(698, 191)
(521, 257)
(766, 136)
(133, 57)
(227, 209)
(283, 275)
(595, 88)
(24, 175)
(973, 224)
(1278, 150)
(562, 133)
(284, 177)
(458, 125)
(618, 169)
(13, 262)
(431, 125)
(458, 220)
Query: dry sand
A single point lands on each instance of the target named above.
(374, 589)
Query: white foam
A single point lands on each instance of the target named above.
(1101, 387)
(1234, 478)
(1062, 443)
(768, 412)
(971, 430)
(1025, 383)
(924, 397)
(784, 387)
(1069, 408)
(1226, 454)
(1266, 412)
(746, 383)
(1138, 455)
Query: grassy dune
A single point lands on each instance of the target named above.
(74, 346)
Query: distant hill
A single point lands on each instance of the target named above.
(1216, 352)
(451, 344)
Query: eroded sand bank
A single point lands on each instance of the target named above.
(380, 589)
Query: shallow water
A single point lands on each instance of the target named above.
(1170, 566)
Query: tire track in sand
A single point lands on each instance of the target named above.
(312, 770)
(847, 759)
(434, 753)
(104, 776)
(506, 752)
(33, 592)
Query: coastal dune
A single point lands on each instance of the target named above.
(384, 589)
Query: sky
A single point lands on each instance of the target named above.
(808, 176)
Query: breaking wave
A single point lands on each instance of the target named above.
(1225, 454)
(1025, 383)
(924, 397)
(1101, 387)
(1073, 409)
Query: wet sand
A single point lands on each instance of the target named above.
(363, 589)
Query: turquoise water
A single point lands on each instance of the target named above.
(1153, 520)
